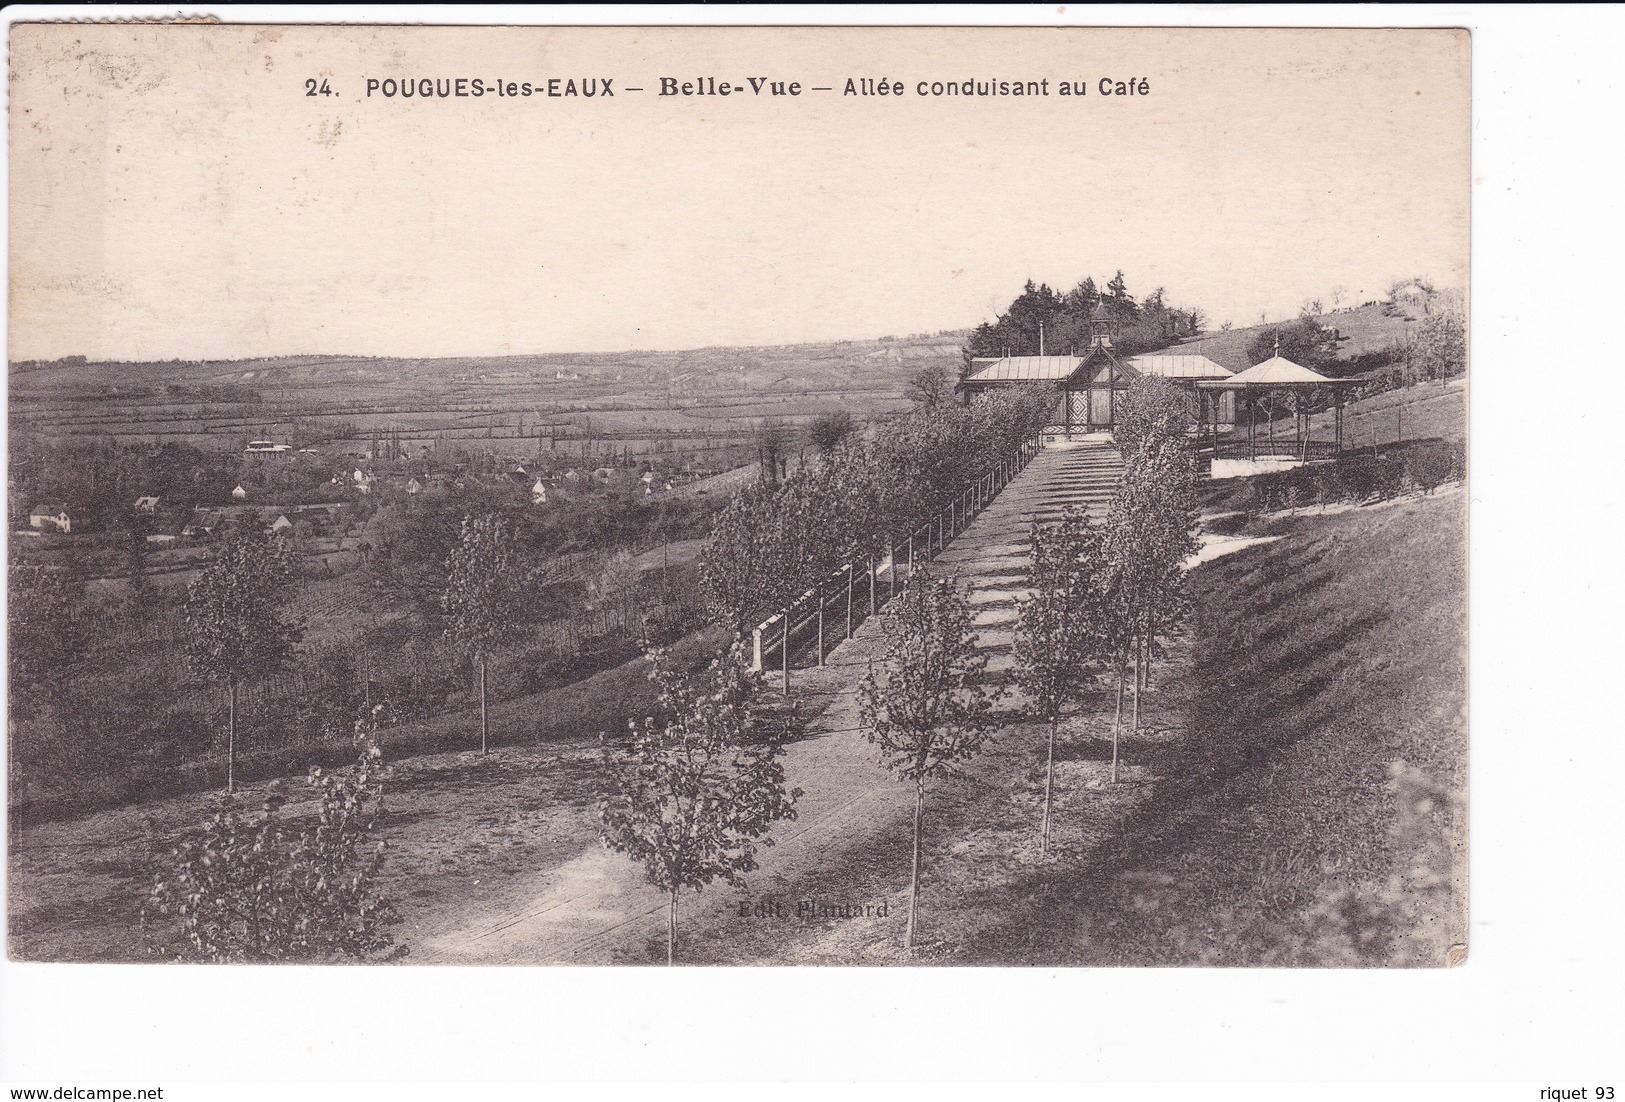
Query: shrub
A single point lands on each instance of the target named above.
(1431, 465)
(248, 887)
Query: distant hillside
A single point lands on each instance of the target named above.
(831, 365)
(1361, 329)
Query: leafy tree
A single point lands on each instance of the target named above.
(773, 439)
(133, 538)
(1153, 408)
(478, 600)
(251, 887)
(774, 542)
(699, 784)
(233, 629)
(829, 431)
(1061, 630)
(926, 708)
(43, 610)
(930, 387)
(1439, 347)
(1149, 533)
(1303, 341)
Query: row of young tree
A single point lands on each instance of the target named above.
(699, 787)
(780, 536)
(1103, 601)
(696, 787)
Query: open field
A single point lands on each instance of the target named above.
(642, 401)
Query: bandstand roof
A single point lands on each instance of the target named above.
(1277, 371)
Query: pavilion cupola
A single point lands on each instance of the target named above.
(1101, 324)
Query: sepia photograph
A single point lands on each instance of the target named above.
(696, 496)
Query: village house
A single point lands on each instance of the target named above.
(538, 492)
(280, 525)
(239, 493)
(414, 487)
(203, 523)
(50, 516)
(146, 506)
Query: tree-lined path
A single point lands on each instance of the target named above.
(991, 556)
(849, 842)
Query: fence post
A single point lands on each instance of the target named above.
(872, 608)
(784, 652)
(910, 559)
(849, 583)
(756, 649)
(820, 623)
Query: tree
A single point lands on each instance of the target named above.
(619, 585)
(1304, 341)
(772, 439)
(1061, 630)
(133, 537)
(233, 629)
(480, 584)
(1153, 408)
(1439, 347)
(699, 784)
(930, 387)
(43, 610)
(1122, 303)
(1149, 533)
(830, 431)
(926, 708)
(251, 888)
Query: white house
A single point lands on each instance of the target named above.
(50, 516)
(538, 492)
(239, 493)
(147, 505)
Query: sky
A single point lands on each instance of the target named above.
(175, 193)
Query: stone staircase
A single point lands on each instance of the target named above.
(990, 557)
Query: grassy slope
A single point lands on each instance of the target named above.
(1279, 830)
(456, 818)
(1254, 825)
(1362, 329)
(1260, 819)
